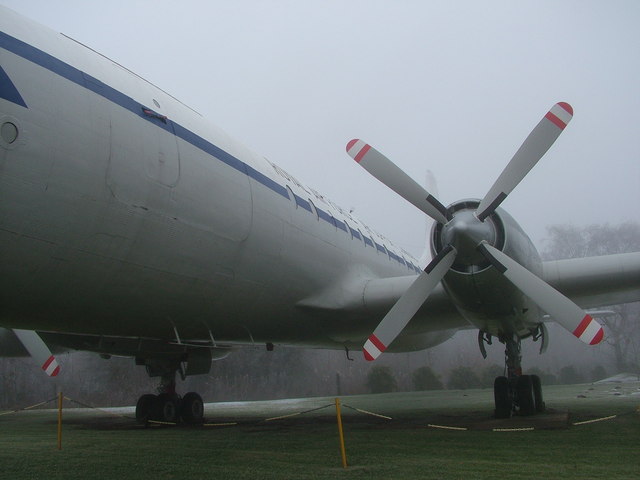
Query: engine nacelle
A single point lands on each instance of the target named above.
(482, 294)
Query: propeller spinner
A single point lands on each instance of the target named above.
(466, 237)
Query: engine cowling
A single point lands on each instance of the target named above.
(480, 292)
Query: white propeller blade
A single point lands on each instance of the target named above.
(388, 173)
(563, 310)
(39, 351)
(534, 147)
(408, 304)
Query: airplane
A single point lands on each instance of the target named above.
(131, 226)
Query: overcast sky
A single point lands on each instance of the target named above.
(451, 86)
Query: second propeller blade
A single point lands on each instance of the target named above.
(408, 304)
(534, 147)
(393, 177)
(561, 308)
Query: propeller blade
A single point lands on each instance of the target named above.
(39, 351)
(408, 304)
(534, 147)
(562, 309)
(393, 177)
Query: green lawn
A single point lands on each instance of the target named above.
(97, 445)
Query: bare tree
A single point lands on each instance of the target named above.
(623, 326)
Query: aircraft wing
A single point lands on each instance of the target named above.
(371, 298)
(596, 281)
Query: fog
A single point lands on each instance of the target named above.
(453, 87)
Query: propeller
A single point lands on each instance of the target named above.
(534, 147)
(39, 351)
(388, 173)
(408, 304)
(563, 310)
(467, 237)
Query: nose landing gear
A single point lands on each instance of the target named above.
(516, 393)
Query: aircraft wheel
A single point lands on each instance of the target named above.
(537, 393)
(502, 397)
(192, 408)
(526, 399)
(144, 408)
(165, 408)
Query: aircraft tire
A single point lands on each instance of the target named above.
(537, 393)
(165, 408)
(526, 399)
(502, 397)
(144, 408)
(192, 408)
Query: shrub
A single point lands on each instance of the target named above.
(489, 375)
(546, 378)
(569, 375)
(462, 378)
(598, 373)
(425, 379)
(381, 380)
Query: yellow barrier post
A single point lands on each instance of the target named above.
(341, 433)
(60, 421)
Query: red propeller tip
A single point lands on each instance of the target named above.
(567, 107)
(560, 115)
(589, 331)
(51, 367)
(598, 337)
(357, 149)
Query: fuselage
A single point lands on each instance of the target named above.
(123, 212)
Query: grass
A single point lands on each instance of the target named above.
(97, 445)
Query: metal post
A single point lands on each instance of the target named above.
(60, 421)
(341, 433)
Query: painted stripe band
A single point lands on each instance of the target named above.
(560, 114)
(357, 149)
(582, 326)
(378, 344)
(51, 367)
(589, 331)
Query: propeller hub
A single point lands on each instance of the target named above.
(464, 231)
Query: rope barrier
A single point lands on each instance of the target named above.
(291, 415)
(158, 422)
(524, 429)
(297, 413)
(602, 419)
(29, 407)
(85, 405)
(367, 412)
(445, 427)
(228, 424)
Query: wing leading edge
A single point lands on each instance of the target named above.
(596, 281)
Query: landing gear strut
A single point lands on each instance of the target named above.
(516, 393)
(168, 406)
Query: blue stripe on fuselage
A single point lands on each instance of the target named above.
(82, 79)
(8, 90)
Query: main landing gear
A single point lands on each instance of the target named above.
(516, 393)
(168, 406)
